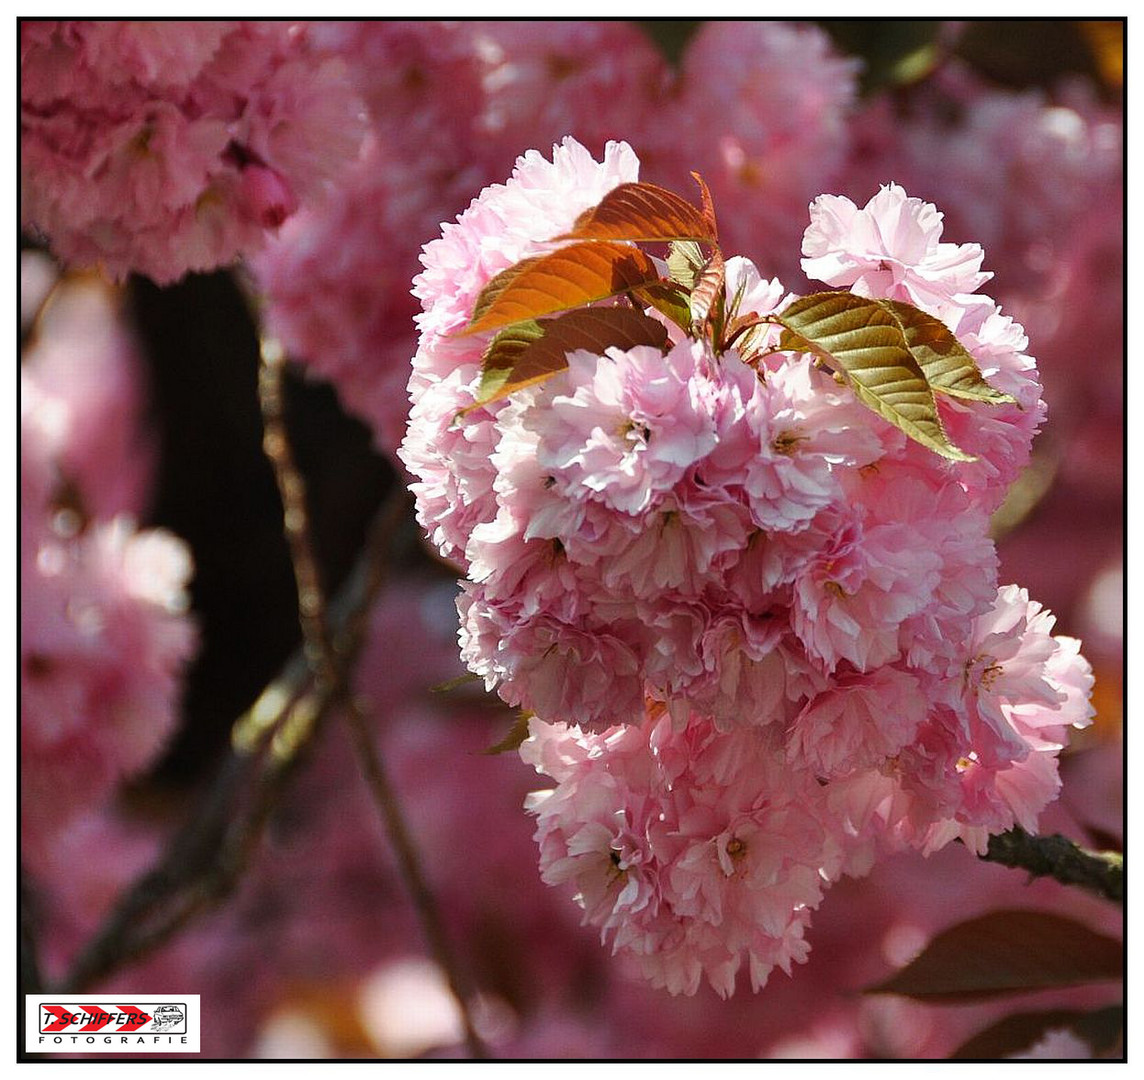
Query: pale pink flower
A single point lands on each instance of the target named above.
(891, 247)
(547, 665)
(858, 723)
(624, 427)
(861, 580)
(808, 432)
(1017, 673)
(695, 853)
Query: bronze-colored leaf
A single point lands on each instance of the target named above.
(708, 203)
(948, 366)
(1102, 1029)
(708, 289)
(530, 352)
(567, 278)
(497, 285)
(861, 339)
(1006, 952)
(644, 212)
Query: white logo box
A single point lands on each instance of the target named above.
(112, 1024)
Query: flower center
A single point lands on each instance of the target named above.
(982, 670)
(786, 441)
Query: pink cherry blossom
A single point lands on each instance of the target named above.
(104, 639)
(891, 247)
(688, 850)
(738, 604)
(168, 147)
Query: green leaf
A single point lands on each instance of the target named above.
(516, 735)
(864, 341)
(454, 684)
(1102, 1029)
(1006, 952)
(532, 351)
(671, 35)
(946, 363)
(668, 300)
(895, 52)
(570, 277)
(642, 212)
(685, 263)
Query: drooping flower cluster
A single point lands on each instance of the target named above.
(104, 633)
(163, 147)
(759, 627)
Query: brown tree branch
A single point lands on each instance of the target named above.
(321, 655)
(1101, 872)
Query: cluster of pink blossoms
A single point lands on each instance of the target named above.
(163, 147)
(760, 630)
(104, 633)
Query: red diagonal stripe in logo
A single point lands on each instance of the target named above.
(138, 1018)
(100, 1017)
(62, 1017)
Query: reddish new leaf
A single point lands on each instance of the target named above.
(1102, 1029)
(642, 212)
(497, 285)
(535, 350)
(708, 203)
(568, 278)
(1006, 952)
(707, 291)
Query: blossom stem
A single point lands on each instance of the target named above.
(1101, 872)
(321, 656)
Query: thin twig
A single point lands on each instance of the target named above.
(320, 653)
(420, 893)
(206, 858)
(1101, 872)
